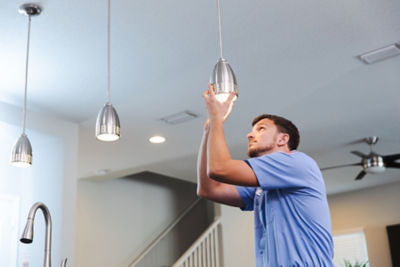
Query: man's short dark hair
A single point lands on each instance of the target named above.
(284, 126)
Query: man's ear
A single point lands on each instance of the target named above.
(283, 139)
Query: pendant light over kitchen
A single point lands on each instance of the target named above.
(22, 151)
(107, 124)
(222, 78)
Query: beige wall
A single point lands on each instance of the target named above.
(371, 209)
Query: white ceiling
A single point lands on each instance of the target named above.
(293, 58)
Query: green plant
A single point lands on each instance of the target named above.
(347, 263)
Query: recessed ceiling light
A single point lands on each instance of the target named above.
(157, 139)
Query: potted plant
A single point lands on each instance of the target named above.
(347, 263)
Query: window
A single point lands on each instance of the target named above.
(351, 247)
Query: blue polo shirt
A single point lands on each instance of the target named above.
(292, 223)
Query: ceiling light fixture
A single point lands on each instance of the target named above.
(22, 151)
(107, 124)
(222, 78)
(157, 139)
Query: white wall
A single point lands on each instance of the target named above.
(116, 218)
(371, 209)
(49, 135)
(237, 237)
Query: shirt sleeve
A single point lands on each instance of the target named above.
(247, 195)
(283, 170)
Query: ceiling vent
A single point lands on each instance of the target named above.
(381, 54)
(179, 117)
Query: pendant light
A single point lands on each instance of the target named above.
(222, 78)
(107, 124)
(22, 151)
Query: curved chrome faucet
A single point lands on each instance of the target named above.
(27, 235)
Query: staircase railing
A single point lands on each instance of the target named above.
(163, 234)
(205, 251)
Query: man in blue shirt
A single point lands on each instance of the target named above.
(283, 187)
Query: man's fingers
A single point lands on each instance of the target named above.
(211, 89)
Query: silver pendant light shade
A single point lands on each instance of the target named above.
(107, 125)
(222, 78)
(22, 152)
(21, 155)
(224, 81)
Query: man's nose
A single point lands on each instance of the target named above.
(250, 136)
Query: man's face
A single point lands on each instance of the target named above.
(263, 138)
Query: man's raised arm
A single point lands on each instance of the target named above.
(209, 188)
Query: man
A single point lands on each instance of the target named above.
(283, 186)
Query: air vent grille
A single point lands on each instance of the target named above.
(179, 117)
(380, 54)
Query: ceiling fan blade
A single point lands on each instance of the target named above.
(341, 166)
(356, 142)
(392, 165)
(360, 175)
(391, 158)
(358, 153)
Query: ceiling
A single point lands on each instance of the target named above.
(293, 58)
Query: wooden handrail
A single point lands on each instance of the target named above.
(163, 234)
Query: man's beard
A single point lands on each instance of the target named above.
(253, 153)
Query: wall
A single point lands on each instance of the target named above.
(371, 209)
(117, 218)
(237, 237)
(51, 138)
(171, 247)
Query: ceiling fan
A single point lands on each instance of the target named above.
(373, 162)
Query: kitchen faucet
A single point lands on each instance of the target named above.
(27, 235)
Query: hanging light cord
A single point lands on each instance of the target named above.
(26, 76)
(108, 54)
(219, 29)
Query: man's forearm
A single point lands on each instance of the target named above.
(217, 150)
(204, 183)
(209, 188)
(220, 165)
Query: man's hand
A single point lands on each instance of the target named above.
(217, 111)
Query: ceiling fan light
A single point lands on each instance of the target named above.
(376, 169)
(21, 155)
(107, 124)
(224, 80)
